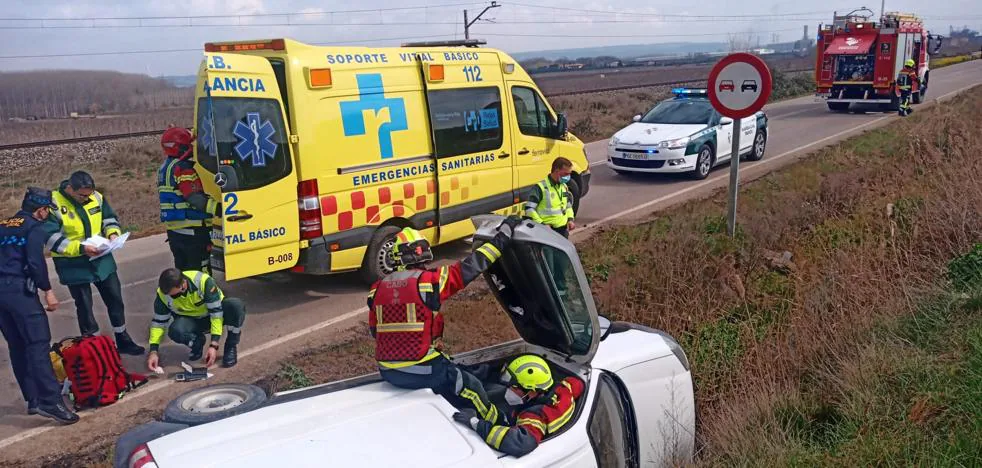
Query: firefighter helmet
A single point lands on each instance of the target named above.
(909, 63)
(176, 142)
(411, 248)
(529, 372)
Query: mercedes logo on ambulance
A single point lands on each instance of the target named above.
(221, 179)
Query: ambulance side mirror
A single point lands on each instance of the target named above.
(562, 126)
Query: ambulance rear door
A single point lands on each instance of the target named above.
(244, 141)
(465, 91)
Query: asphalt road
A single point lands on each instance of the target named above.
(284, 308)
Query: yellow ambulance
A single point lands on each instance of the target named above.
(320, 155)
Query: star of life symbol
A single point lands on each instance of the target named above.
(207, 136)
(255, 139)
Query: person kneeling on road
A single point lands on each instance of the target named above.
(544, 408)
(404, 318)
(195, 304)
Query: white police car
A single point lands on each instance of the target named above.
(683, 134)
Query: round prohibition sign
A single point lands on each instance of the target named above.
(739, 85)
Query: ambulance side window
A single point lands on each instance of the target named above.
(534, 118)
(466, 121)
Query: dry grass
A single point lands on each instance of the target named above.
(57, 129)
(125, 176)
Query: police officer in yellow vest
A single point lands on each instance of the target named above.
(82, 212)
(551, 203)
(195, 304)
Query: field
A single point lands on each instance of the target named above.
(58, 129)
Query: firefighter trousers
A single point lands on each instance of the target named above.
(905, 108)
(191, 253)
(461, 388)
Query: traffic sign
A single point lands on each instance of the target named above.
(739, 85)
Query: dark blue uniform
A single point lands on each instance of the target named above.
(22, 318)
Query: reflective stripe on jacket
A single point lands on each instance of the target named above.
(79, 224)
(550, 204)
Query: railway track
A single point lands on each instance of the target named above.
(118, 136)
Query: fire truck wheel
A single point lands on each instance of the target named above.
(839, 106)
(917, 97)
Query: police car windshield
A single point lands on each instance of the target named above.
(249, 138)
(680, 112)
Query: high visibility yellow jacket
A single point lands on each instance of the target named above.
(70, 224)
(202, 298)
(550, 203)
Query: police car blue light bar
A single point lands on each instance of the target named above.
(696, 91)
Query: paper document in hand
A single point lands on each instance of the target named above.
(104, 245)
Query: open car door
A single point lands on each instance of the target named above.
(541, 284)
(243, 142)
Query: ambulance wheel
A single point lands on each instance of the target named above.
(574, 190)
(838, 106)
(212, 403)
(377, 261)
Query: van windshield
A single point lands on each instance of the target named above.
(248, 136)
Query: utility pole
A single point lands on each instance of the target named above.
(468, 24)
(883, 6)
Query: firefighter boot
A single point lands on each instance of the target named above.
(125, 345)
(197, 347)
(231, 355)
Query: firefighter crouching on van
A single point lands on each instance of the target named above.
(81, 213)
(23, 323)
(196, 305)
(544, 408)
(404, 318)
(184, 208)
(905, 82)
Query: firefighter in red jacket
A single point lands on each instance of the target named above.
(905, 82)
(545, 407)
(404, 318)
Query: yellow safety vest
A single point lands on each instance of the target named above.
(73, 223)
(556, 206)
(193, 303)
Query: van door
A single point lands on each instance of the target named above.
(243, 139)
(473, 161)
(536, 136)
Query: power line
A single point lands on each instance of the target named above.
(641, 35)
(166, 51)
(245, 15)
(665, 15)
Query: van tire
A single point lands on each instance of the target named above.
(196, 407)
(574, 190)
(371, 267)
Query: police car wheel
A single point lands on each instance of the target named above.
(760, 145)
(377, 262)
(704, 163)
(213, 403)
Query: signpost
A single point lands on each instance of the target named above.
(739, 86)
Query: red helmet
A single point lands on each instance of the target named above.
(176, 142)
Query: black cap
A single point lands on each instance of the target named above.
(81, 180)
(37, 198)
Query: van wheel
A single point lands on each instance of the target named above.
(574, 190)
(378, 262)
(212, 403)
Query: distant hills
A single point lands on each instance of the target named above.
(627, 51)
(183, 81)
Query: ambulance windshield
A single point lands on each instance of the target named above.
(246, 137)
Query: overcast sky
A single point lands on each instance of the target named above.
(525, 25)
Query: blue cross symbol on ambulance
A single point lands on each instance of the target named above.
(371, 96)
(255, 139)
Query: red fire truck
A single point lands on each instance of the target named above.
(858, 60)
